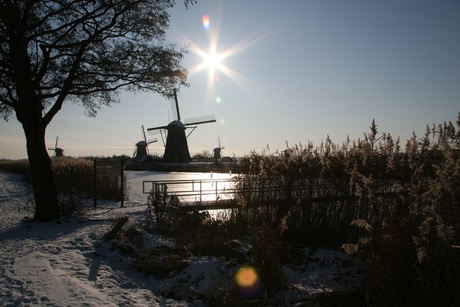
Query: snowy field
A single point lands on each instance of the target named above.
(65, 263)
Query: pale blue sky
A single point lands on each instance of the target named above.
(296, 70)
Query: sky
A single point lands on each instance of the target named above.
(284, 72)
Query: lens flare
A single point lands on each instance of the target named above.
(206, 24)
(246, 277)
(248, 281)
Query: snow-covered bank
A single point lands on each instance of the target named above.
(66, 263)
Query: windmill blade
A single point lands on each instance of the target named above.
(177, 105)
(55, 146)
(163, 138)
(143, 133)
(151, 141)
(156, 132)
(157, 128)
(200, 120)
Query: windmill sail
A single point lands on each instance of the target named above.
(141, 152)
(58, 152)
(218, 151)
(177, 105)
(157, 128)
(200, 120)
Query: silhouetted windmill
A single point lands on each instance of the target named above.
(142, 148)
(218, 151)
(176, 148)
(58, 152)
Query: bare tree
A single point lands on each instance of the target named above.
(84, 51)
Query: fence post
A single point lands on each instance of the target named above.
(122, 183)
(95, 179)
(201, 192)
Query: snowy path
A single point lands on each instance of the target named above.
(56, 265)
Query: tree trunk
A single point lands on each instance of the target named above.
(44, 187)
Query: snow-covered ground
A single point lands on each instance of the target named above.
(66, 263)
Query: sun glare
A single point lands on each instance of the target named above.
(212, 61)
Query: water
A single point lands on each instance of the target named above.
(135, 179)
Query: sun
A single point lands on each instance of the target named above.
(210, 59)
(212, 62)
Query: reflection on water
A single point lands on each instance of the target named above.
(135, 179)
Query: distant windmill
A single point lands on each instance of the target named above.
(218, 151)
(142, 150)
(58, 152)
(176, 148)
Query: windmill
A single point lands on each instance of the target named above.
(142, 150)
(218, 151)
(176, 148)
(58, 152)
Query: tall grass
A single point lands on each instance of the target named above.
(403, 206)
(396, 207)
(73, 176)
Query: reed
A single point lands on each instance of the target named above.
(400, 205)
(397, 207)
(73, 176)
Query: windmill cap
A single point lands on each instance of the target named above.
(176, 124)
(141, 143)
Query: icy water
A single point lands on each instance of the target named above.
(135, 179)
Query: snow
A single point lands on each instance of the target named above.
(66, 263)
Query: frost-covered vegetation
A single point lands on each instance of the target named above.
(398, 209)
(75, 180)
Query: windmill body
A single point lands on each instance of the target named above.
(141, 152)
(218, 152)
(176, 147)
(58, 152)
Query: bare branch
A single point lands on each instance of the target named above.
(86, 49)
